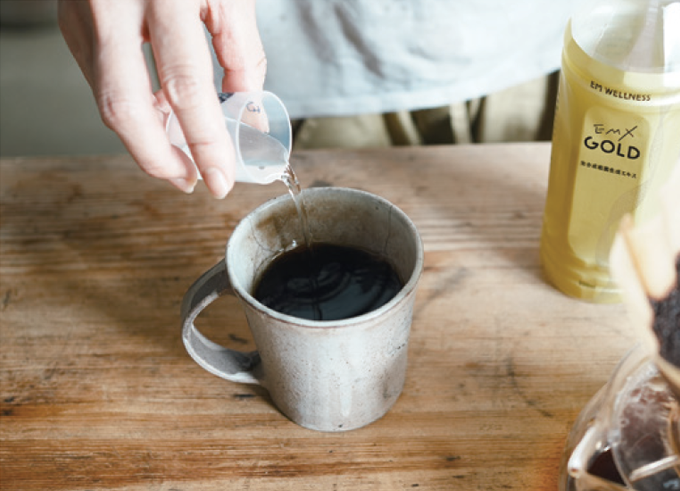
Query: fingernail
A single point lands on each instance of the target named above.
(216, 182)
(183, 185)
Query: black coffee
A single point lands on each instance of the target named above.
(327, 282)
(603, 465)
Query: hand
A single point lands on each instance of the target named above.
(106, 37)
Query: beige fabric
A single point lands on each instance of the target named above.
(521, 113)
(365, 130)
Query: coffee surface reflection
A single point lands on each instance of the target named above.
(327, 282)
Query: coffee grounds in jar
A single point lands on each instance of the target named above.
(667, 321)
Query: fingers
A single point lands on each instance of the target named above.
(237, 44)
(113, 62)
(106, 37)
(127, 107)
(76, 28)
(185, 71)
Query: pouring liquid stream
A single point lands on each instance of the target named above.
(320, 281)
(263, 153)
(291, 181)
(313, 280)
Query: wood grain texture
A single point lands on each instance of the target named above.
(98, 393)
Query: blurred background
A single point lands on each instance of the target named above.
(47, 108)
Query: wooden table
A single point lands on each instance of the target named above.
(98, 392)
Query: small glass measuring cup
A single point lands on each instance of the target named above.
(260, 130)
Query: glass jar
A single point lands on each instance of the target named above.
(626, 438)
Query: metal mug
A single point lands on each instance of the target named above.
(323, 375)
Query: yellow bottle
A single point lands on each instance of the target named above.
(616, 136)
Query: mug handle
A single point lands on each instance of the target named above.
(236, 366)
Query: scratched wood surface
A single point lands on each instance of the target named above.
(98, 393)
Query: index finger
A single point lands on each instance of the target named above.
(185, 72)
(121, 86)
(238, 45)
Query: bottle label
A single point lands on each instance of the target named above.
(608, 178)
(620, 94)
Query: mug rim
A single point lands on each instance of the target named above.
(401, 296)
